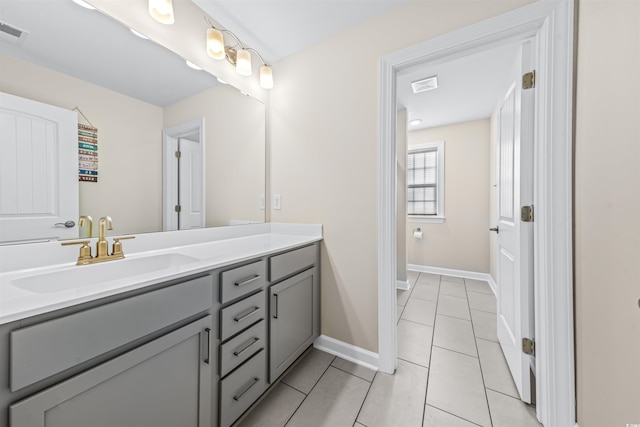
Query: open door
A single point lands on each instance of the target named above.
(515, 238)
(183, 176)
(38, 171)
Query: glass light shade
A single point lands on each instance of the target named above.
(266, 77)
(243, 62)
(162, 11)
(215, 44)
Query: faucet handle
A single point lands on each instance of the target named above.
(117, 246)
(85, 251)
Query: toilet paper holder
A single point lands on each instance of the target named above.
(417, 233)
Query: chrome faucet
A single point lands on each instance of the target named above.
(102, 247)
(88, 221)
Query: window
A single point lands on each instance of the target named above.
(425, 181)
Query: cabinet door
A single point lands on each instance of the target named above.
(291, 323)
(166, 382)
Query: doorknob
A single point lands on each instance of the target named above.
(68, 224)
(496, 229)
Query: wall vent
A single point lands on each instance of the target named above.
(424, 85)
(12, 34)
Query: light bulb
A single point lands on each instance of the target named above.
(215, 43)
(243, 62)
(266, 77)
(162, 11)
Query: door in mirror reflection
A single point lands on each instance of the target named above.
(38, 171)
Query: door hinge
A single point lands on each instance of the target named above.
(178, 154)
(178, 208)
(528, 346)
(529, 80)
(526, 213)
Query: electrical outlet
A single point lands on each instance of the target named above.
(276, 202)
(262, 203)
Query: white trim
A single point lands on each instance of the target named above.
(346, 351)
(403, 285)
(425, 219)
(465, 274)
(551, 23)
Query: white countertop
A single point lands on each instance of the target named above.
(208, 249)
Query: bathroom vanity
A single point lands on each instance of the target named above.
(196, 345)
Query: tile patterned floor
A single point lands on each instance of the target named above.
(451, 371)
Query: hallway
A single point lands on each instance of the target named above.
(451, 371)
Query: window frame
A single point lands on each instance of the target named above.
(439, 217)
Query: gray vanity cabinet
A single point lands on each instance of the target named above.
(294, 321)
(293, 308)
(166, 382)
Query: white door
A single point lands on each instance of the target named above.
(515, 237)
(190, 185)
(38, 171)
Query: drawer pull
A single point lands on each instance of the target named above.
(247, 281)
(253, 311)
(247, 347)
(246, 389)
(208, 358)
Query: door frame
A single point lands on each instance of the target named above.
(170, 171)
(551, 22)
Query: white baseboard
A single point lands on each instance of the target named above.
(456, 273)
(346, 351)
(403, 285)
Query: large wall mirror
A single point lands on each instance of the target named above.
(131, 89)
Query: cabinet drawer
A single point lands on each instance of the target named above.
(240, 281)
(241, 348)
(240, 389)
(291, 262)
(48, 348)
(238, 316)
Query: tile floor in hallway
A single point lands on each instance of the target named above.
(451, 371)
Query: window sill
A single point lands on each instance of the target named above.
(426, 220)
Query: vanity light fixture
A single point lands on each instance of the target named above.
(237, 54)
(415, 122)
(162, 11)
(84, 4)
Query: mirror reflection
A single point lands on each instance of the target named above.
(131, 90)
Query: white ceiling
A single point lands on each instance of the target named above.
(93, 47)
(88, 45)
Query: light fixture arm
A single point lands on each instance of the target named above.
(239, 55)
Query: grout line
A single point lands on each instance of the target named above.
(507, 395)
(484, 385)
(457, 416)
(351, 373)
(456, 351)
(433, 332)
(455, 317)
(365, 399)
(305, 394)
(417, 323)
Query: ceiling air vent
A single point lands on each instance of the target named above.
(11, 34)
(425, 84)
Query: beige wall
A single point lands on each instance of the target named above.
(607, 212)
(461, 242)
(234, 151)
(324, 121)
(129, 186)
(401, 194)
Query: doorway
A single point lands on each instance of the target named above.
(183, 176)
(551, 25)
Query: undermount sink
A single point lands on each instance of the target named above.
(89, 275)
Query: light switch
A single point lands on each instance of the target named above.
(262, 202)
(276, 202)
